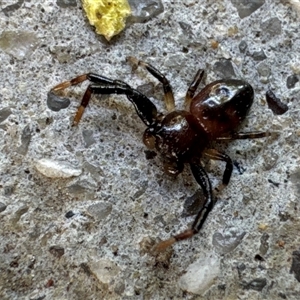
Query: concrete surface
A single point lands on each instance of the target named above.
(85, 237)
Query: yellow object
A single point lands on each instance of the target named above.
(108, 16)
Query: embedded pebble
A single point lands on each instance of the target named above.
(227, 242)
(256, 284)
(19, 44)
(264, 245)
(9, 9)
(275, 104)
(245, 7)
(56, 169)
(25, 139)
(224, 68)
(200, 276)
(84, 186)
(119, 288)
(243, 46)
(175, 61)
(264, 71)
(193, 204)
(77, 188)
(143, 11)
(57, 103)
(4, 114)
(105, 270)
(186, 28)
(18, 214)
(272, 26)
(66, 3)
(295, 268)
(57, 251)
(100, 210)
(259, 55)
(2, 207)
(88, 136)
(147, 89)
(94, 170)
(270, 160)
(8, 190)
(295, 179)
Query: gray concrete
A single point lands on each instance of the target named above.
(84, 237)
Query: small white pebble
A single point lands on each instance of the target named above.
(105, 270)
(56, 169)
(200, 275)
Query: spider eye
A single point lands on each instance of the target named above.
(224, 91)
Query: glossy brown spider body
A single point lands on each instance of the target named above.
(183, 136)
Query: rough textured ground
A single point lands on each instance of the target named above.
(83, 237)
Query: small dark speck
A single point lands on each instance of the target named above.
(41, 298)
(275, 104)
(274, 183)
(69, 214)
(284, 216)
(14, 264)
(57, 251)
(258, 257)
(222, 287)
(49, 283)
(86, 269)
(282, 295)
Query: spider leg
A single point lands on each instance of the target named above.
(204, 182)
(192, 88)
(168, 93)
(63, 85)
(215, 154)
(145, 109)
(244, 135)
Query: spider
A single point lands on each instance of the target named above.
(183, 136)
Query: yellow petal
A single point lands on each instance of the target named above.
(108, 16)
